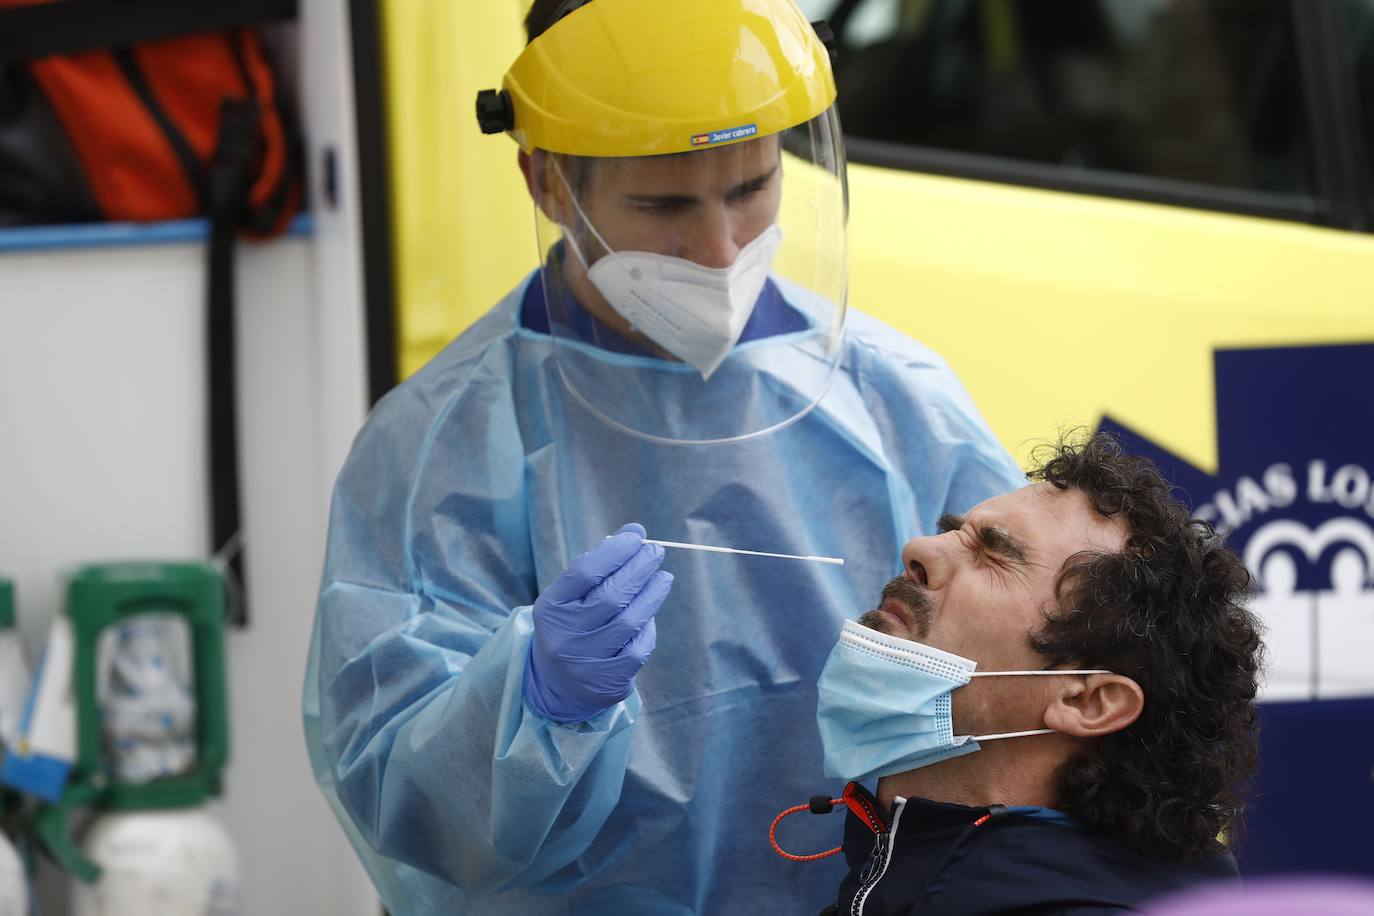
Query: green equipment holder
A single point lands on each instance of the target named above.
(101, 595)
(6, 604)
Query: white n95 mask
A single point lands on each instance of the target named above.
(695, 313)
(884, 704)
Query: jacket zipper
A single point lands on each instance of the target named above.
(886, 844)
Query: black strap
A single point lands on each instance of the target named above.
(222, 189)
(72, 26)
(181, 147)
(228, 183)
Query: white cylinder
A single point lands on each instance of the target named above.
(160, 863)
(14, 894)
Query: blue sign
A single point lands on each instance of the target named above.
(1293, 492)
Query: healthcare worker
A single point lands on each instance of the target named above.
(481, 706)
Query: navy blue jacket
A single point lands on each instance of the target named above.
(926, 857)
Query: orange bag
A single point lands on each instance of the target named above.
(150, 122)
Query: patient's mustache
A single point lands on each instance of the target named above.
(911, 596)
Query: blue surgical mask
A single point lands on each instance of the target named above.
(884, 704)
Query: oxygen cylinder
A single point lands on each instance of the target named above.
(162, 863)
(152, 738)
(14, 677)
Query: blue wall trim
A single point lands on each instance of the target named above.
(104, 235)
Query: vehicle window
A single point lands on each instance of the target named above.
(1200, 91)
(1359, 27)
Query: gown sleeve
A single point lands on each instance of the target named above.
(422, 633)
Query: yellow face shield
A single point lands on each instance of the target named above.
(687, 169)
(644, 78)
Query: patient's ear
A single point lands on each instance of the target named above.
(1093, 705)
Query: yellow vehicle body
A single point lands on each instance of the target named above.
(1054, 308)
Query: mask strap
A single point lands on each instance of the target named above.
(582, 215)
(577, 250)
(1032, 673)
(1033, 731)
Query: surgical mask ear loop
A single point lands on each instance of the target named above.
(1045, 672)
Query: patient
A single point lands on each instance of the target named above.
(1098, 752)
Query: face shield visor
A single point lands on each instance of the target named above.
(693, 259)
(699, 296)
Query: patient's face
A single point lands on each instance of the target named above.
(983, 585)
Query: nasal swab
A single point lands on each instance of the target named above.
(834, 561)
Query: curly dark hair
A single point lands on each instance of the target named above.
(1166, 611)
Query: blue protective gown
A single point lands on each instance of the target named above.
(469, 489)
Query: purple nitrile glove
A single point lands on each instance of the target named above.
(594, 627)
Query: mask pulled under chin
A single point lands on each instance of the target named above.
(884, 704)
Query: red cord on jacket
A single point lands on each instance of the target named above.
(772, 834)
